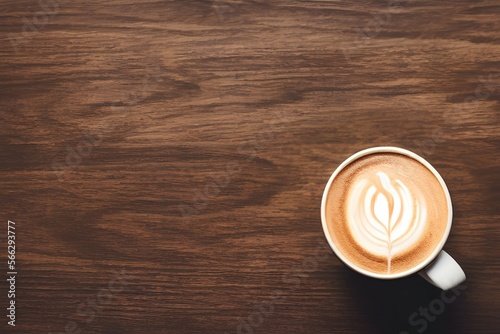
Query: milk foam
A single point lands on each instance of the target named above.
(386, 213)
(384, 216)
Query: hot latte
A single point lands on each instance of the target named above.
(386, 212)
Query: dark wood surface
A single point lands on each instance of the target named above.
(185, 145)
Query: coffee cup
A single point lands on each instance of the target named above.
(387, 213)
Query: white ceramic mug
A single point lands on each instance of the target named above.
(439, 268)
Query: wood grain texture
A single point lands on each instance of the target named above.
(187, 144)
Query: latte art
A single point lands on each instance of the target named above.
(386, 212)
(385, 218)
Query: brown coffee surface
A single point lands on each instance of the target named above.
(386, 212)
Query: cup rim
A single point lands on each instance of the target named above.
(386, 149)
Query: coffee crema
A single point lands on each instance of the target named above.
(386, 212)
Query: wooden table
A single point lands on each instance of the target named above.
(164, 161)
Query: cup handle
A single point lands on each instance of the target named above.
(443, 272)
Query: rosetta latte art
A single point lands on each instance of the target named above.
(385, 218)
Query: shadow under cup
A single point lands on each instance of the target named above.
(386, 212)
